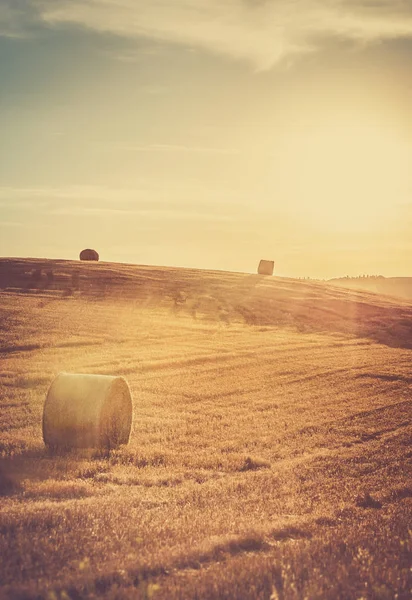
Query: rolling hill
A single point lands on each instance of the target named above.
(270, 454)
(390, 286)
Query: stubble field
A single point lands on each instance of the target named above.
(270, 454)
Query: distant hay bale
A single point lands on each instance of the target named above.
(89, 254)
(266, 267)
(87, 411)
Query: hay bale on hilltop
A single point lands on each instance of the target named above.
(87, 411)
(89, 254)
(266, 267)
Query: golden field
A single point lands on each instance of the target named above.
(270, 454)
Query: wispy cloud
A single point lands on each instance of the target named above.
(181, 213)
(261, 32)
(13, 224)
(173, 148)
(17, 18)
(73, 193)
(83, 211)
(99, 201)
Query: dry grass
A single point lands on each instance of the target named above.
(271, 450)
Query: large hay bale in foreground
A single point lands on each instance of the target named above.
(266, 267)
(89, 254)
(87, 411)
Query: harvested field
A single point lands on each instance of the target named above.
(270, 455)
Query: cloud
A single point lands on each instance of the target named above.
(157, 213)
(18, 18)
(82, 211)
(71, 193)
(92, 201)
(13, 224)
(262, 32)
(173, 148)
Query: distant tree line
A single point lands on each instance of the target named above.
(364, 277)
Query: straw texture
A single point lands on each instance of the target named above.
(87, 411)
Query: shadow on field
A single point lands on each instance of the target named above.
(39, 473)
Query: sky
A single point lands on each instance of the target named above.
(209, 133)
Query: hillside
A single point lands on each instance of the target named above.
(390, 286)
(270, 454)
(219, 296)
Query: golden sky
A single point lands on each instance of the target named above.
(209, 133)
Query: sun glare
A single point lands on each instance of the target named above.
(344, 177)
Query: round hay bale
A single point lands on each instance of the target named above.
(266, 267)
(89, 254)
(87, 411)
